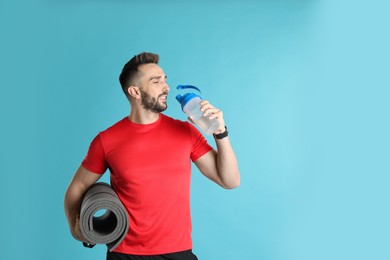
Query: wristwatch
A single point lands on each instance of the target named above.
(222, 135)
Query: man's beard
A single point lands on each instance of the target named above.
(151, 103)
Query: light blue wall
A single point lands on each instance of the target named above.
(304, 87)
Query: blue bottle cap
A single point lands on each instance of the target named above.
(183, 100)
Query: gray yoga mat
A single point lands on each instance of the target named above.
(111, 227)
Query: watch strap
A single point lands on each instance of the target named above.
(222, 135)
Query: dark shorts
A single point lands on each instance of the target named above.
(183, 255)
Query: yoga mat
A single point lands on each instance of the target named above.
(111, 227)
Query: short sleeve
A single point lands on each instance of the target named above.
(95, 160)
(200, 145)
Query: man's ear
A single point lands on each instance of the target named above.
(134, 92)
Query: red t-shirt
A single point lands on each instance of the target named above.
(150, 168)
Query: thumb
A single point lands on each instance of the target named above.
(190, 119)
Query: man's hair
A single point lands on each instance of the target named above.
(130, 72)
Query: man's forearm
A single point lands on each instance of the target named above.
(81, 181)
(227, 164)
(72, 206)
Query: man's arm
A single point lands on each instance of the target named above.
(219, 166)
(81, 181)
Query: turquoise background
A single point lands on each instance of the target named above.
(304, 86)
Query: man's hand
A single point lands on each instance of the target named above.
(76, 230)
(212, 112)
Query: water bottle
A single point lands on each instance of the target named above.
(190, 104)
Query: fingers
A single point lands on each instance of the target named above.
(77, 230)
(209, 110)
(213, 113)
(192, 121)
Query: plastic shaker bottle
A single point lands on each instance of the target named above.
(190, 104)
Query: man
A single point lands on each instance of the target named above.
(149, 157)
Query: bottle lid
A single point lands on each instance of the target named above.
(183, 100)
(188, 86)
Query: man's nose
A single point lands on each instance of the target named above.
(166, 87)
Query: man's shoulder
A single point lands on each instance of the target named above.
(118, 126)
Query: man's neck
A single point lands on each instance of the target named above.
(143, 117)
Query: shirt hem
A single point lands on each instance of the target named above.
(150, 253)
(91, 170)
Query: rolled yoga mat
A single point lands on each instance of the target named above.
(109, 228)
